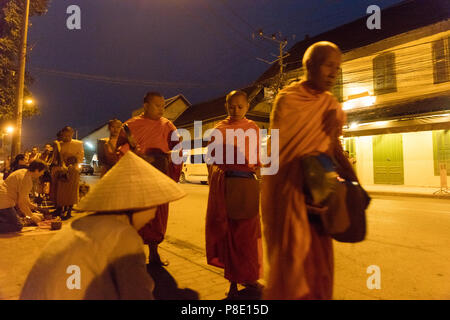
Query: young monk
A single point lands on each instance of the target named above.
(101, 256)
(234, 244)
(150, 138)
(65, 148)
(309, 120)
(67, 195)
(107, 153)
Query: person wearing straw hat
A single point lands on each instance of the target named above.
(101, 256)
(149, 136)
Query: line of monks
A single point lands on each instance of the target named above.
(299, 253)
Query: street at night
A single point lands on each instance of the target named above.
(203, 153)
(408, 238)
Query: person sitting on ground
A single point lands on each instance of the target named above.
(105, 247)
(34, 155)
(18, 163)
(14, 191)
(7, 167)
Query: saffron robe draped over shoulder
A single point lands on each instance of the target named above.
(152, 135)
(234, 245)
(300, 257)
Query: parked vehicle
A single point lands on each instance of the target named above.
(86, 168)
(194, 166)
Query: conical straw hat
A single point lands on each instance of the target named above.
(131, 184)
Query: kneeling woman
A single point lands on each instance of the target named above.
(102, 255)
(233, 229)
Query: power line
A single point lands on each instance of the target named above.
(231, 27)
(123, 81)
(237, 15)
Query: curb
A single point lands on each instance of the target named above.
(405, 194)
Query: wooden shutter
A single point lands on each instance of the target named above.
(441, 150)
(440, 61)
(384, 75)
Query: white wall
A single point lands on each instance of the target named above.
(418, 159)
(364, 159)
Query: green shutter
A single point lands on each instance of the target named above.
(384, 74)
(440, 61)
(441, 150)
(388, 159)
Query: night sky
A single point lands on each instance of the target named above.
(200, 48)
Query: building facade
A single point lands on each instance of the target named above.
(395, 89)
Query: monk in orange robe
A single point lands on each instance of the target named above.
(150, 138)
(106, 147)
(234, 244)
(309, 119)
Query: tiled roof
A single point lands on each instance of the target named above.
(206, 110)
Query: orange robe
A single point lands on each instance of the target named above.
(234, 245)
(107, 155)
(150, 136)
(300, 255)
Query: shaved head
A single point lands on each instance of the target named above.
(316, 54)
(322, 62)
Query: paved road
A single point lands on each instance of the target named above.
(408, 239)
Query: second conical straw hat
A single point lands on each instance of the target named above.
(131, 184)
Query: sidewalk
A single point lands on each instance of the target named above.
(405, 191)
(187, 277)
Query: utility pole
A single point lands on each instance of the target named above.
(17, 137)
(280, 58)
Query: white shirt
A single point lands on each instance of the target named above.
(15, 190)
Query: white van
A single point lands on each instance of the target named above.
(194, 166)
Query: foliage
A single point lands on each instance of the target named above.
(11, 20)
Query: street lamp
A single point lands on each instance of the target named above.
(29, 101)
(15, 148)
(9, 129)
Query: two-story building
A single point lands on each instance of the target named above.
(394, 85)
(395, 88)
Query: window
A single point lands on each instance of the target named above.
(441, 60)
(337, 90)
(384, 77)
(197, 159)
(441, 150)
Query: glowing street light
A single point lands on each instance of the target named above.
(89, 145)
(29, 101)
(9, 129)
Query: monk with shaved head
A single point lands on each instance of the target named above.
(309, 120)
